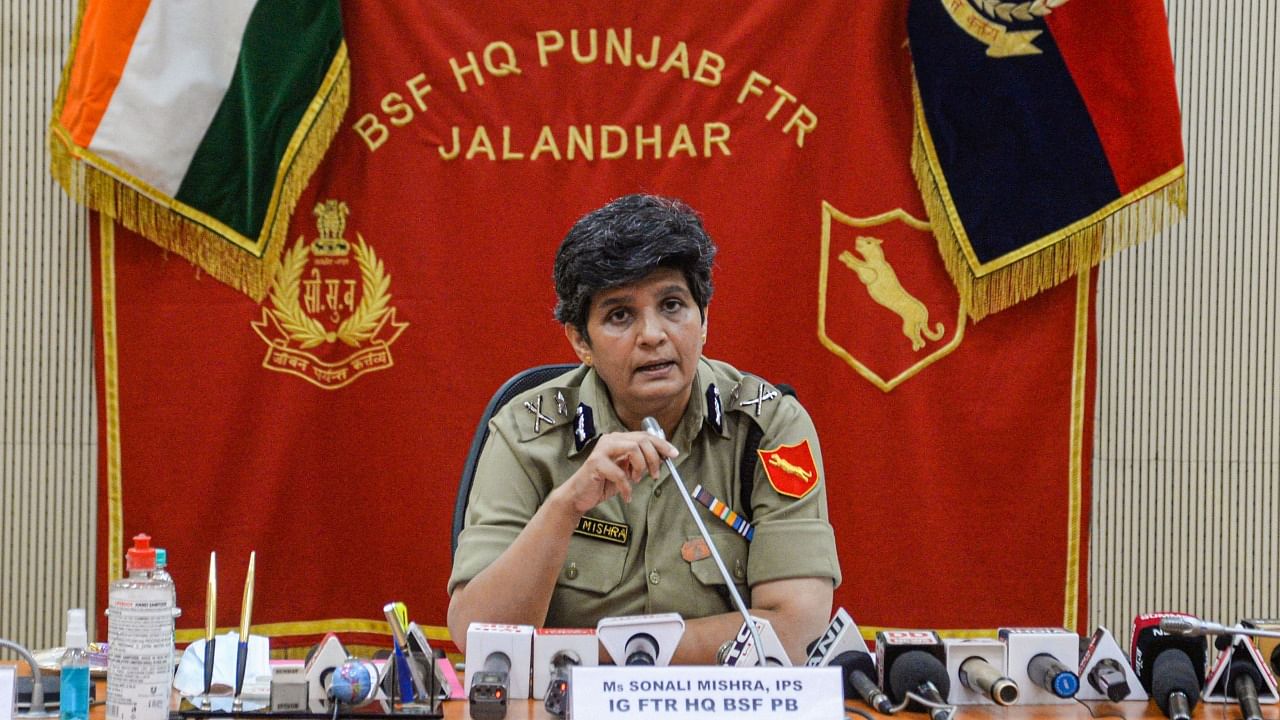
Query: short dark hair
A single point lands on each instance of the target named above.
(624, 242)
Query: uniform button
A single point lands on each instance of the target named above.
(738, 572)
(657, 492)
(571, 572)
(654, 578)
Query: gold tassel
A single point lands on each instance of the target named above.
(163, 222)
(1157, 207)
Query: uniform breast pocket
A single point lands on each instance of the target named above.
(733, 551)
(593, 566)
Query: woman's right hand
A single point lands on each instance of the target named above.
(618, 461)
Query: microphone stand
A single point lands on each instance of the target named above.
(652, 427)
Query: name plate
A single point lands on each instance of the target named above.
(702, 692)
(8, 691)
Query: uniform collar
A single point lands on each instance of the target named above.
(594, 395)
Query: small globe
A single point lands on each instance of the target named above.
(351, 682)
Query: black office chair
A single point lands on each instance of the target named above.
(518, 383)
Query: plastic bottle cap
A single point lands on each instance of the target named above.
(77, 637)
(141, 556)
(162, 557)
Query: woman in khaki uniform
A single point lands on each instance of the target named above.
(573, 515)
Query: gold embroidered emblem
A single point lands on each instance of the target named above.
(781, 463)
(852, 322)
(883, 286)
(1001, 41)
(326, 298)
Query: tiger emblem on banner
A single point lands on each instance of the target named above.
(330, 318)
(886, 305)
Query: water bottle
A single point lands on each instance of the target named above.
(73, 670)
(140, 613)
(162, 573)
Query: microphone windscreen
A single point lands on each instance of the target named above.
(850, 661)
(1173, 672)
(914, 668)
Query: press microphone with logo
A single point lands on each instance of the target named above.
(1150, 640)
(500, 655)
(652, 427)
(842, 645)
(641, 639)
(914, 661)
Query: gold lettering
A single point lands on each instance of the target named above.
(682, 142)
(501, 69)
(802, 127)
(396, 109)
(678, 58)
(783, 97)
(655, 142)
(649, 62)
(507, 154)
(607, 131)
(710, 67)
(371, 131)
(546, 143)
(715, 133)
(549, 41)
(457, 146)
(613, 45)
(480, 144)
(349, 297)
(418, 90)
(749, 86)
(581, 140)
(472, 66)
(578, 55)
(311, 292)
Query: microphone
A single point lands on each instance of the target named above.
(842, 645)
(500, 655)
(641, 639)
(1108, 678)
(558, 689)
(742, 651)
(1175, 686)
(488, 697)
(1151, 640)
(1245, 682)
(652, 427)
(981, 676)
(1190, 625)
(1049, 673)
(920, 673)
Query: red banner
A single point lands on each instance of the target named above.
(326, 427)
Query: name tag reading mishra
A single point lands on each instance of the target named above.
(703, 692)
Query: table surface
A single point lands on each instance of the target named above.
(534, 710)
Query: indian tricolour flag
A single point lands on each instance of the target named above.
(197, 123)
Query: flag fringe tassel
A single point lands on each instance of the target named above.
(166, 224)
(1075, 251)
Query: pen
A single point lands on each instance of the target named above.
(393, 611)
(210, 620)
(246, 610)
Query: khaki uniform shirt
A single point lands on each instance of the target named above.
(646, 556)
